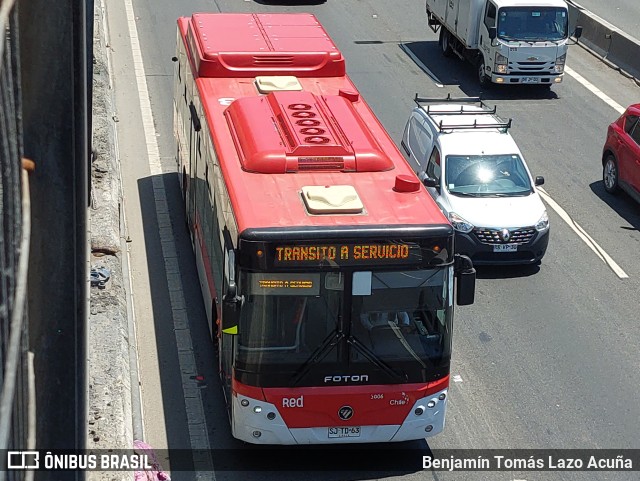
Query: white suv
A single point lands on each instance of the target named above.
(468, 161)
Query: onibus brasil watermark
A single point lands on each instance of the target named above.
(47, 460)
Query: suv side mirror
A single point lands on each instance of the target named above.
(430, 182)
(578, 32)
(493, 33)
(539, 180)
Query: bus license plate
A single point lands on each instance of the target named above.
(345, 432)
(530, 80)
(505, 248)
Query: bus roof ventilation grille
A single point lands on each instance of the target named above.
(272, 60)
(320, 163)
(332, 199)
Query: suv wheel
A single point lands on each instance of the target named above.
(610, 174)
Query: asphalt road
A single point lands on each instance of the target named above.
(624, 14)
(547, 357)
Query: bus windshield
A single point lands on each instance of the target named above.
(286, 317)
(532, 24)
(404, 316)
(297, 328)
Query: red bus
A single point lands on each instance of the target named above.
(326, 268)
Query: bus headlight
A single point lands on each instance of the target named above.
(500, 63)
(459, 223)
(543, 224)
(559, 67)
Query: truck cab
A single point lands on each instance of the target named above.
(509, 41)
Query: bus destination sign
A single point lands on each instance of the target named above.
(347, 254)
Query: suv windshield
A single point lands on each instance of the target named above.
(486, 175)
(532, 23)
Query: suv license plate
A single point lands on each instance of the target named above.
(345, 432)
(505, 248)
(530, 80)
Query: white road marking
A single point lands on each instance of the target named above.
(595, 90)
(600, 252)
(198, 435)
(457, 378)
(422, 66)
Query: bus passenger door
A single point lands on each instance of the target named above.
(194, 158)
(227, 335)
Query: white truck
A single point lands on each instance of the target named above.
(509, 41)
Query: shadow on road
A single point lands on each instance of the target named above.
(622, 204)
(506, 272)
(454, 71)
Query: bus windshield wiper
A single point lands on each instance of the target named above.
(371, 357)
(318, 355)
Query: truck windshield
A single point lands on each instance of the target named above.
(531, 24)
(486, 175)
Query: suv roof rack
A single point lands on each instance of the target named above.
(484, 110)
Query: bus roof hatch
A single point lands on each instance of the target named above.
(291, 131)
(248, 45)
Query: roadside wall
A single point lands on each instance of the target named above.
(110, 396)
(619, 49)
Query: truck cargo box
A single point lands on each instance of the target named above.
(460, 17)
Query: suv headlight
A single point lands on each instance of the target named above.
(500, 63)
(459, 223)
(543, 224)
(559, 68)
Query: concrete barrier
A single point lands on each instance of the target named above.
(596, 33)
(606, 40)
(624, 52)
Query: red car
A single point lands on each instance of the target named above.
(621, 154)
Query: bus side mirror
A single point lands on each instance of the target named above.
(493, 33)
(231, 316)
(231, 302)
(466, 280)
(231, 307)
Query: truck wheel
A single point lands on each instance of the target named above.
(483, 80)
(445, 42)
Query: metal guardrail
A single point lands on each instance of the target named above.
(17, 386)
